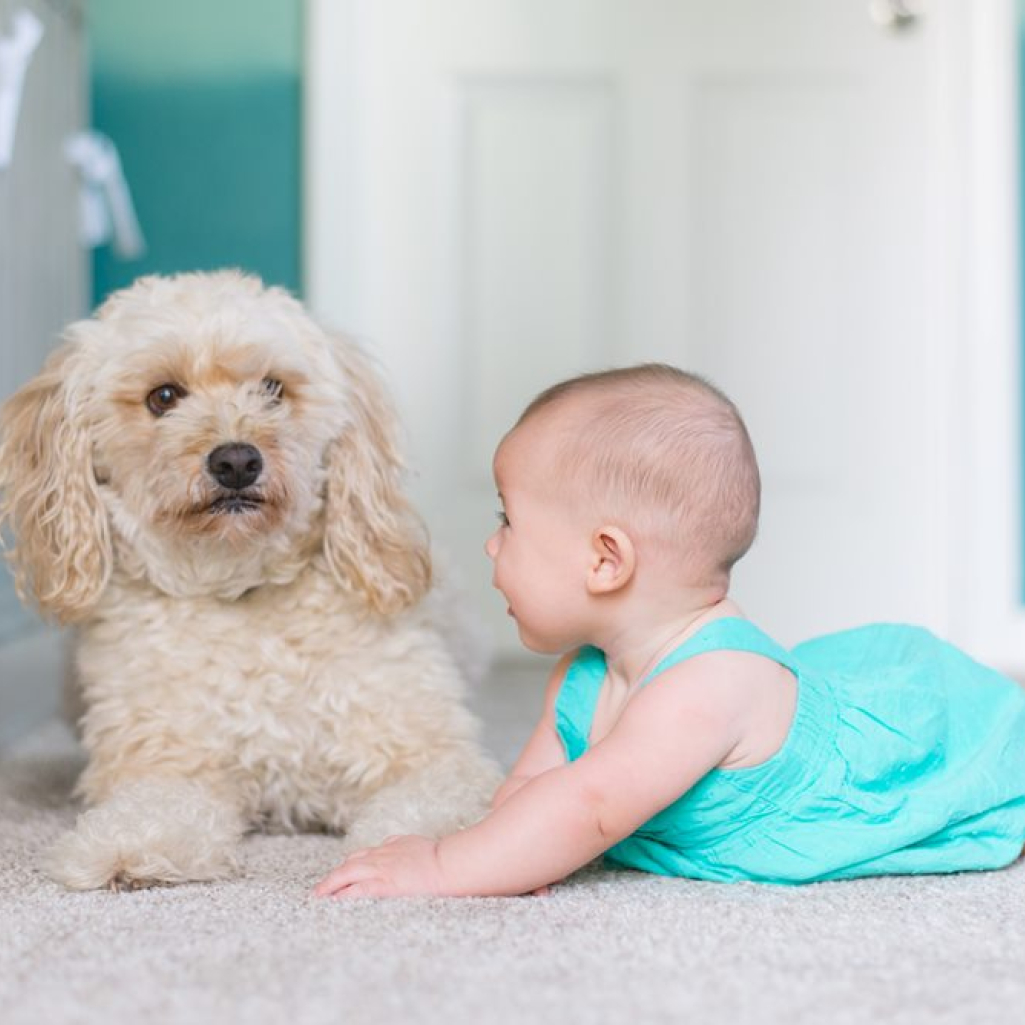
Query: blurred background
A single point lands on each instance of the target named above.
(814, 204)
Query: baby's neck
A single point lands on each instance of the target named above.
(633, 651)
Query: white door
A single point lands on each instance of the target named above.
(506, 192)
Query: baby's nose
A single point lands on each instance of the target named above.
(491, 546)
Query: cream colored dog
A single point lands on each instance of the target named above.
(208, 483)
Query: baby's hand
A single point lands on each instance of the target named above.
(403, 866)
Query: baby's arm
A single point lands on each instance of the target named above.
(669, 736)
(543, 751)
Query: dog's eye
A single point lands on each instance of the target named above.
(164, 398)
(272, 388)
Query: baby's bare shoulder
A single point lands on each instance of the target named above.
(722, 677)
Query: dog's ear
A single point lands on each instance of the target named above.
(61, 553)
(373, 539)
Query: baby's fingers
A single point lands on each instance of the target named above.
(346, 874)
(370, 888)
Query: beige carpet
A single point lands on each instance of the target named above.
(605, 947)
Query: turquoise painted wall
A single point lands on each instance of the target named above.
(203, 100)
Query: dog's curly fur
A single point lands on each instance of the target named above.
(264, 653)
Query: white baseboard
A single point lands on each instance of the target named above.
(31, 673)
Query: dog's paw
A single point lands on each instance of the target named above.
(148, 833)
(443, 798)
(122, 883)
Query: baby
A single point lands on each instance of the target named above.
(676, 737)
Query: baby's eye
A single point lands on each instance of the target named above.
(272, 388)
(502, 518)
(164, 398)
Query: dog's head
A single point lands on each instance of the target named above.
(203, 431)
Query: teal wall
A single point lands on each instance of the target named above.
(203, 100)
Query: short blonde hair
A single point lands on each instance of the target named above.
(664, 451)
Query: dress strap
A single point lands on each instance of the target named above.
(574, 704)
(727, 634)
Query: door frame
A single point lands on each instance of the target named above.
(331, 117)
(987, 492)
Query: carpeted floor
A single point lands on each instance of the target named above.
(604, 947)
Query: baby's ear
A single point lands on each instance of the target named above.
(613, 560)
(374, 541)
(61, 554)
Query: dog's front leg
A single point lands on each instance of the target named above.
(150, 831)
(452, 791)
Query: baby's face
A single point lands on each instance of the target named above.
(540, 549)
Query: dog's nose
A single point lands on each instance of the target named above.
(234, 465)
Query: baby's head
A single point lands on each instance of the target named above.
(659, 452)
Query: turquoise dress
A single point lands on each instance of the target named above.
(904, 756)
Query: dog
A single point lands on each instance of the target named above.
(209, 485)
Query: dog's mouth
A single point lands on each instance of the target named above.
(224, 513)
(235, 505)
